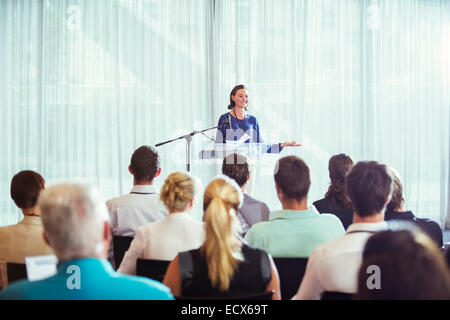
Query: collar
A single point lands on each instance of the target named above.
(294, 214)
(33, 220)
(144, 189)
(365, 226)
(179, 215)
(94, 265)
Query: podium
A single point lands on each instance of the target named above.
(253, 151)
(262, 163)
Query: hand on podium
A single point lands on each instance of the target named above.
(290, 144)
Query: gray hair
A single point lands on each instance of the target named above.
(73, 216)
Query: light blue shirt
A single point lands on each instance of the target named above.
(294, 234)
(87, 279)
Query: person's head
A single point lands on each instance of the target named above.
(144, 165)
(236, 166)
(369, 186)
(397, 199)
(179, 191)
(75, 220)
(25, 188)
(339, 166)
(221, 249)
(238, 97)
(292, 179)
(410, 267)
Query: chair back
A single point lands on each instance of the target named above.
(257, 296)
(15, 272)
(153, 269)
(290, 271)
(120, 245)
(332, 295)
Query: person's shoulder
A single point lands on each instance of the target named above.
(249, 200)
(143, 287)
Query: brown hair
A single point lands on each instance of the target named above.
(26, 187)
(368, 185)
(236, 167)
(292, 177)
(233, 93)
(411, 266)
(144, 163)
(339, 166)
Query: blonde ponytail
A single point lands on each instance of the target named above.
(220, 249)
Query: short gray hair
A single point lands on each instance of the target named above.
(73, 216)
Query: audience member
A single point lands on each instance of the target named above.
(395, 211)
(24, 238)
(76, 227)
(336, 200)
(334, 266)
(223, 265)
(237, 167)
(296, 230)
(403, 265)
(142, 205)
(163, 240)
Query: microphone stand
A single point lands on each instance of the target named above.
(188, 138)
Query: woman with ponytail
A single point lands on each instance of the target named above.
(223, 266)
(336, 201)
(162, 240)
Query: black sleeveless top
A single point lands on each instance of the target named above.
(250, 277)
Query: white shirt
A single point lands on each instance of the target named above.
(334, 266)
(134, 210)
(163, 240)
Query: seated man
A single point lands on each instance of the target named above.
(25, 238)
(142, 205)
(297, 230)
(76, 227)
(334, 266)
(236, 167)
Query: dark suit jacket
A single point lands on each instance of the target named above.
(325, 205)
(430, 227)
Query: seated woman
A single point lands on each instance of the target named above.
(336, 201)
(223, 266)
(395, 211)
(162, 240)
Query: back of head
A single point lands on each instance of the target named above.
(73, 216)
(236, 167)
(25, 188)
(397, 192)
(292, 177)
(411, 267)
(339, 166)
(144, 163)
(369, 186)
(179, 188)
(221, 201)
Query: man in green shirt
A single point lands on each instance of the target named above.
(297, 230)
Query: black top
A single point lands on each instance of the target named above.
(251, 276)
(326, 205)
(430, 227)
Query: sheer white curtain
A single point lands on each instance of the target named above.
(83, 83)
(367, 78)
